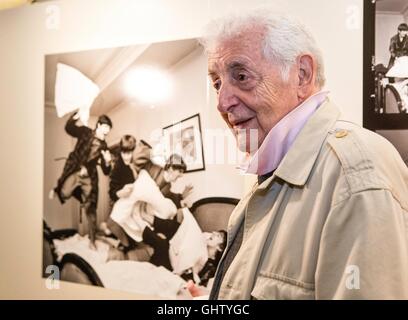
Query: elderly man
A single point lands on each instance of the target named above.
(328, 216)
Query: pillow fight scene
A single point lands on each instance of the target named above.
(145, 214)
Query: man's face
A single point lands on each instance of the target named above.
(403, 33)
(127, 157)
(215, 239)
(173, 175)
(252, 97)
(102, 130)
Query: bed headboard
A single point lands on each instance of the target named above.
(213, 213)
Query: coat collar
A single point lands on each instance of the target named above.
(297, 164)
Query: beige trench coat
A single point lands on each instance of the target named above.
(331, 223)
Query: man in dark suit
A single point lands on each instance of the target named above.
(399, 44)
(133, 155)
(80, 176)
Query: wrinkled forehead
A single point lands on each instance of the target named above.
(241, 50)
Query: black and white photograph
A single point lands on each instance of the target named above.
(122, 210)
(386, 71)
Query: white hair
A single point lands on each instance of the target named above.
(285, 38)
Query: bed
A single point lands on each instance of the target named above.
(135, 275)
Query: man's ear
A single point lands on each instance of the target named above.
(307, 75)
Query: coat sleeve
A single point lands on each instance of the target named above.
(106, 167)
(363, 251)
(392, 47)
(73, 129)
(115, 184)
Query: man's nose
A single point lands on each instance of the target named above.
(226, 98)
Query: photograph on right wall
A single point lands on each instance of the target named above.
(386, 71)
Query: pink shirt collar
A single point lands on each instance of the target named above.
(280, 138)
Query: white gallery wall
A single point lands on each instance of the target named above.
(28, 33)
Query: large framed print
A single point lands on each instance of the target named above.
(107, 180)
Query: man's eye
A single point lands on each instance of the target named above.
(242, 77)
(217, 84)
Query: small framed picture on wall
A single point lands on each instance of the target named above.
(185, 138)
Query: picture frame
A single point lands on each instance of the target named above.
(185, 138)
(377, 113)
(382, 102)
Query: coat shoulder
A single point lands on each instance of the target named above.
(368, 160)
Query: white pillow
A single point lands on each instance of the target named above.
(126, 211)
(73, 91)
(188, 247)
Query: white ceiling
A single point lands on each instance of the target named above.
(107, 68)
(392, 5)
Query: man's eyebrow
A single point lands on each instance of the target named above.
(212, 74)
(236, 65)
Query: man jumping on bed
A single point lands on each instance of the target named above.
(80, 176)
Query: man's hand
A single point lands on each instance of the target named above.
(125, 191)
(106, 156)
(76, 116)
(196, 291)
(83, 172)
(148, 217)
(187, 191)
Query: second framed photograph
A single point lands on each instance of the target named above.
(386, 65)
(184, 138)
(385, 108)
